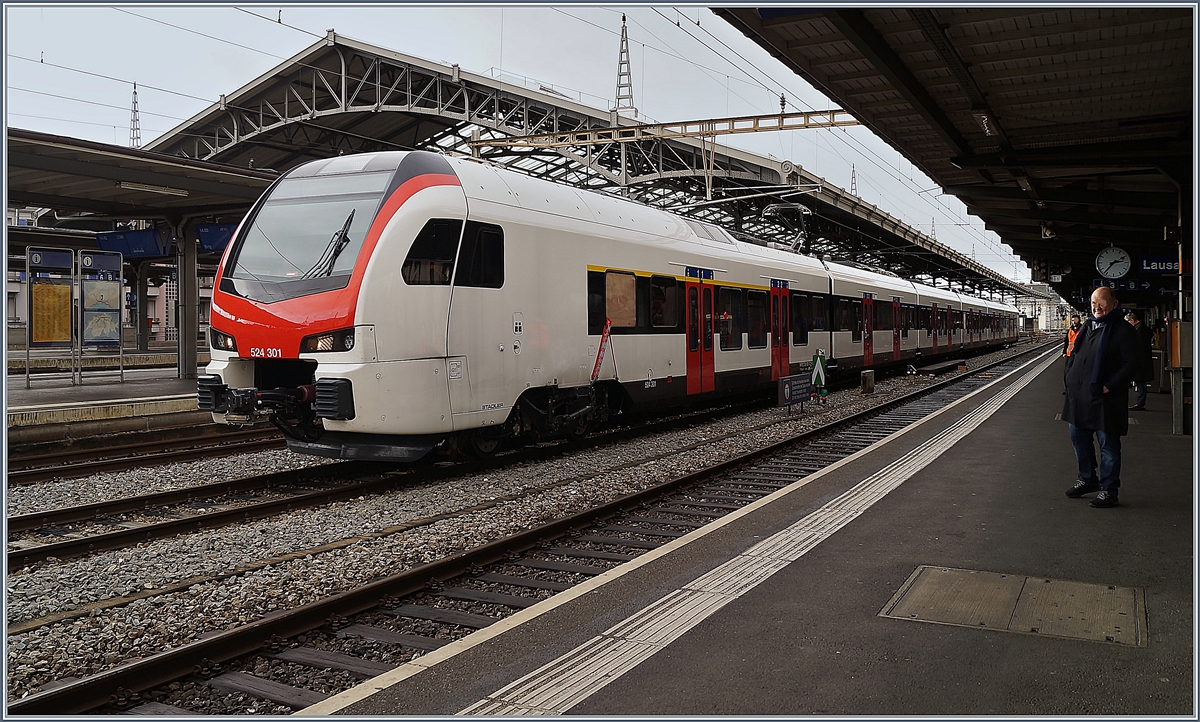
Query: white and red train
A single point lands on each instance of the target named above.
(378, 306)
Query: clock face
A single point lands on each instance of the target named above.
(1113, 262)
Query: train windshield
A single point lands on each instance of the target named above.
(306, 236)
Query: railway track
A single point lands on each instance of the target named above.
(408, 614)
(74, 531)
(202, 442)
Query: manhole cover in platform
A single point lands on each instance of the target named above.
(1027, 605)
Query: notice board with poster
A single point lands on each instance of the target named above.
(101, 292)
(51, 273)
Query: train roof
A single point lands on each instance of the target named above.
(633, 220)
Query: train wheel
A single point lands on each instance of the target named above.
(482, 446)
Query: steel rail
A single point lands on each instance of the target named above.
(29, 476)
(97, 690)
(28, 456)
(66, 515)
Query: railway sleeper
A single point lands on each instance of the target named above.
(475, 595)
(387, 636)
(620, 541)
(322, 659)
(526, 582)
(640, 530)
(445, 616)
(552, 565)
(245, 683)
(666, 522)
(591, 554)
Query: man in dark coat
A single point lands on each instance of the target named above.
(1145, 373)
(1099, 370)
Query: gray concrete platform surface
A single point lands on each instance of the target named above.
(53, 408)
(788, 620)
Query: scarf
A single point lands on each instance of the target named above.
(1104, 328)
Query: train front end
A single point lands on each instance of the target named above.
(313, 326)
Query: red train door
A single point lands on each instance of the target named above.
(895, 328)
(868, 340)
(699, 331)
(933, 327)
(780, 327)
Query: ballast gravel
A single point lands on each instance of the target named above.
(142, 627)
(151, 480)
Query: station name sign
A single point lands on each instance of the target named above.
(1162, 264)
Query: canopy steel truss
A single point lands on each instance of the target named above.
(341, 96)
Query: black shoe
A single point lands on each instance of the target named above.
(1137, 408)
(1104, 500)
(1081, 488)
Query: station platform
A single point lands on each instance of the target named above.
(53, 408)
(940, 572)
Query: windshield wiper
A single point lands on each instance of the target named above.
(324, 265)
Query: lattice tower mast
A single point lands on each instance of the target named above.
(135, 124)
(624, 76)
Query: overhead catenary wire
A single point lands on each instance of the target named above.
(846, 136)
(89, 102)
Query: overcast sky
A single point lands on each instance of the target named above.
(69, 70)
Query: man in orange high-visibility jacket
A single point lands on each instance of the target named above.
(1072, 334)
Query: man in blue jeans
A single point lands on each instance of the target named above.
(1099, 370)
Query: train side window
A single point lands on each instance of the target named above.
(481, 260)
(820, 314)
(926, 319)
(664, 310)
(756, 313)
(883, 315)
(800, 315)
(729, 301)
(776, 330)
(693, 311)
(856, 320)
(595, 301)
(620, 298)
(430, 260)
(707, 300)
(643, 303)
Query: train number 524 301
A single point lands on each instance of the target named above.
(257, 352)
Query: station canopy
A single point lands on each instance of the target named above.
(84, 181)
(1066, 129)
(341, 96)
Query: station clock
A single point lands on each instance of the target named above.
(1113, 262)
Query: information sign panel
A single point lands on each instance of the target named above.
(214, 237)
(797, 388)
(50, 272)
(101, 289)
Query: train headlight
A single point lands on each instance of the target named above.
(221, 341)
(341, 340)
